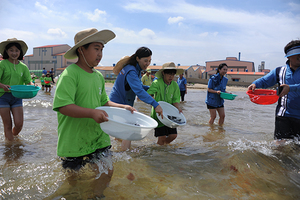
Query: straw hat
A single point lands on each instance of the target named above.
(119, 66)
(169, 65)
(3, 44)
(88, 36)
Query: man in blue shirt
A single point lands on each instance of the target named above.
(181, 81)
(44, 71)
(287, 121)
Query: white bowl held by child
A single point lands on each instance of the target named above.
(171, 116)
(125, 125)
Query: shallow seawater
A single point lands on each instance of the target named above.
(236, 161)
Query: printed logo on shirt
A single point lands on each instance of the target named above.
(171, 96)
(100, 91)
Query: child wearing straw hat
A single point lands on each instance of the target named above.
(165, 89)
(82, 145)
(146, 79)
(12, 72)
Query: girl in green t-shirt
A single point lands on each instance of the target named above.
(12, 72)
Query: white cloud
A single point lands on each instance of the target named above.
(203, 34)
(41, 7)
(56, 32)
(97, 15)
(19, 34)
(147, 33)
(294, 6)
(174, 20)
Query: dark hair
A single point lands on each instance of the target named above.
(170, 71)
(221, 66)
(86, 46)
(140, 53)
(5, 55)
(291, 44)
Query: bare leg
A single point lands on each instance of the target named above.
(125, 145)
(7, 123)
(221, 112)
(83, 184)
(162, 140)
(17, 113)
(213, 115)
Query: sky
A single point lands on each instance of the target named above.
(186, 32)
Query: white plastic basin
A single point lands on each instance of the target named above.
(125, 125)
(171, 116)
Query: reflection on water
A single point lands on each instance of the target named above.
(236, 161)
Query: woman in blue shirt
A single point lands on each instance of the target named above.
(287, 118)
(128, 84)
(216, 85)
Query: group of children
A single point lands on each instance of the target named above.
(45, 80)
(82, 145)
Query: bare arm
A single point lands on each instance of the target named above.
(178, 107)
(213, 91)
(75, 111)
(5, 87)
(113, 104)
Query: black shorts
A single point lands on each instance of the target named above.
(212, 107)
(47, 85)
(75, 163)
(287, 128)
(164, 131)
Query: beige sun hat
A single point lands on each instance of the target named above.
(168, 65)
(3, 44)
(119, 66)
(88, 36)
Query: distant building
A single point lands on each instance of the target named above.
(247, 77)
(234, 65)
(50, 56)
(194, 71)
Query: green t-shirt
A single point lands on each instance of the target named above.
(42, 79)
(163, 92)
(11, 74)
(47, 79)
(79, 136)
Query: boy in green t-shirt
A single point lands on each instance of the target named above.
(165, 89)
(47, 81)
(42, 79)
(82, 145)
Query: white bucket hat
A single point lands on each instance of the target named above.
(169, 65)
(88, 36)
(3, 44)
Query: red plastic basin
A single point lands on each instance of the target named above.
(263, 96)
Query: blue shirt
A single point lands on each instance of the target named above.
(127, 85)
(216, 83)
(288, 105)
(181, 83)
(44, 71)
